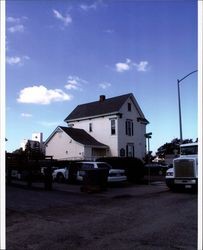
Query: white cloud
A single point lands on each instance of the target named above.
(16, 60)
(16, 23)
(129, 65)
(142, 66)
(11, 19)
(86, 7)
(105, 85)
(13, 60)
(123, 66)
(109, 31)
(42, 95)
(16, 28)
(26, 115)
(75, 83)
(65, 19)
(92, 6)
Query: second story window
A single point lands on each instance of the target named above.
(90, 127)
(113, 127)
(129, 106)
(129, 127)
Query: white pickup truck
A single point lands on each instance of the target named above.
(184, 173)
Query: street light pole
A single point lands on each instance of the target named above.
(179, 104)
(179, 108)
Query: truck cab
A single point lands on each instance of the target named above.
(184, 173)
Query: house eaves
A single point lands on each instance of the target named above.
(95, 116)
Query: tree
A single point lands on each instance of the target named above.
(172, 147)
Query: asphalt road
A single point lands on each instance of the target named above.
(129, 217)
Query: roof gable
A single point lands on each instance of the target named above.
(99, 108)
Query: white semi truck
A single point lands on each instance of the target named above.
(184, 173)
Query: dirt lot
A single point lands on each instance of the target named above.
(127, 217)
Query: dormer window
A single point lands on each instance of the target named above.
(129, 106)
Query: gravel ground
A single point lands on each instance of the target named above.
(128, 217)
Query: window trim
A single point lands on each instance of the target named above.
(113, 126)
(90, 127)
(129, 127)
(129, 106)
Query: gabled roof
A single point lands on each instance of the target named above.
(102, 107)
(78, 135)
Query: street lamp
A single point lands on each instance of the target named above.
(179, 105)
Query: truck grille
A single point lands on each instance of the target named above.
(184, 168)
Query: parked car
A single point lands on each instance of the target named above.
(155, 169)
(60, 174)
(115, 175)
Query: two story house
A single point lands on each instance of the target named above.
(108, 127)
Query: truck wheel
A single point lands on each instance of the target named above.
(60, 178)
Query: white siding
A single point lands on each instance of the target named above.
(61, 146)
(138, 138)
(101, 131)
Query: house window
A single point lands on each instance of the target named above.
(90, 127)
(113, 127)
(130, 150)
(129, 127)
(129, 106)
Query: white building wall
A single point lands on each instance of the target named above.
(37, 137)
(138, 138)
(61, 146)
(101, 131)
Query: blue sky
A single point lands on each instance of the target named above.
(63, 53)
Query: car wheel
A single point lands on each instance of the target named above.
(60, 178)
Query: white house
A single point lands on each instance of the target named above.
(73, 143)
(107, 127)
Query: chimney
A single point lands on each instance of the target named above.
(102, 98)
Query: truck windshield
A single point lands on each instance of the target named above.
(189, 150)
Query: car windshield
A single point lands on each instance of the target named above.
(191, 150)
(103, 165)
(87, 166)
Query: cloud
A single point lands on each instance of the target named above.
(123, 66)
(93, 6)
(16, 23)
(11, 19)
(16, 28)
(75, 83)
(42, 95)
(13, 60)
(16, 60)
(65, 19)
(105, 85)
(26, 115)
(109, 31)
(129, 65)
(141, 66)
